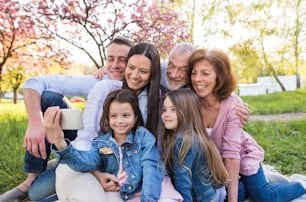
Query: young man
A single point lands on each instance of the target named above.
(42, 96)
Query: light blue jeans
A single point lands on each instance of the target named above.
(261, 191)
(43, 188)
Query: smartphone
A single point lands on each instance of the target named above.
(71, 119)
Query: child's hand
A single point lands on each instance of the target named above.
(54, 131)
(108, 181)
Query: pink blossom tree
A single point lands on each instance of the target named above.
(21, 43)
(90, 25)
(16, 33)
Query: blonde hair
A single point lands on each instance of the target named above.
(190, 125)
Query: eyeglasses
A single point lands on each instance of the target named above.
(181, 69)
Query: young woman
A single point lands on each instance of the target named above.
(125, 149)
(213, 81)
(190, 156)
(141, 75)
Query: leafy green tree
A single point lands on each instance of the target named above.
(13, 80)
(275, 29)
(246, 62)
(299, 35)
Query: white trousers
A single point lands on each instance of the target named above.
(73, 186)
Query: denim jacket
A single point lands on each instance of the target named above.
(140, 158)
(192, 180)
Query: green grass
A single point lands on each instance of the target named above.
(284, 142)
(277, 103)
(13, 124)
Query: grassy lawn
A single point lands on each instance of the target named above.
(284, 142)
(13, 124)
(277, 103)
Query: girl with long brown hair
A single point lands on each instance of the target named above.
(191, 158)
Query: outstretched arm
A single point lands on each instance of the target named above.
(34, 141)
(54, 130)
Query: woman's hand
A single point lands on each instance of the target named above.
(55, 133)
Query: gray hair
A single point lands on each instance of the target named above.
(183, 48)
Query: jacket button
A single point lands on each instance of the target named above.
(130, 188)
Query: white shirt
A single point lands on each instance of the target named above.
(62, 84)
(208, 130)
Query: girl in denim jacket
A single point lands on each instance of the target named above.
(191, 158)
(127, 150)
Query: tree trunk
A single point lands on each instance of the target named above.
(297, 33)
(279, 83)
(270, 67)
(1, 93)
(298, 80)
(15, 96)
(276, 78)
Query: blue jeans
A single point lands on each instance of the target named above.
(43, 187)
(44, 184)
(242, 192)
(261, 191)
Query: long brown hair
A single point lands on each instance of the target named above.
(153, 87)
(190, 125)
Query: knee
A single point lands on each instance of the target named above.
(38, 192)
(49, 95)
(34, 194)
(49, 98)
(43, 186)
